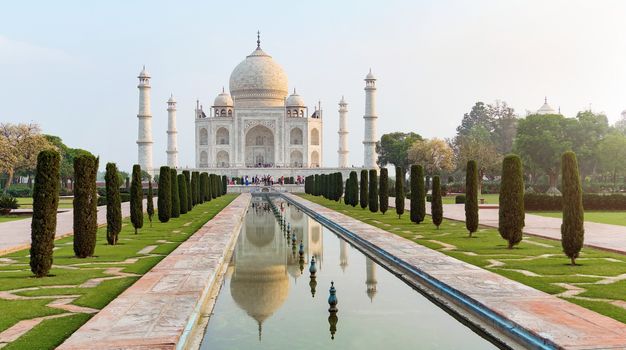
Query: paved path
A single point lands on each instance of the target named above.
(602, 236)
(155, 312)
(567, 325)
(15, 235)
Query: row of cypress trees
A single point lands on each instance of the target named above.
(175, 198)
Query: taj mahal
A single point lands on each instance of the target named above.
(257, 126)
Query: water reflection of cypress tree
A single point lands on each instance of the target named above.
(332, 320)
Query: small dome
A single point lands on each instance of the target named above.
(546, 109)
(370, 76)
(295, 100)
(223, 100)
(144, 73)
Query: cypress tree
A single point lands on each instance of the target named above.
(383, 190)
(317, 185)
(224, 184)
(209, 193)
(114, 203)
(214, 187)
(203, 196)
(150, 201)
(436, 205)
(175, 194)
(354, 189)
(194, 188)
(85, 205)
(330, 186)
(511, 208)
(45, 204)
(182, 193)
(373, 191)
(136, 199)
(363, 189)
(339, 183)
(418, 195)
(188, 186)
(572, 228)
(399, 191)
(165, 195)
(471, 197)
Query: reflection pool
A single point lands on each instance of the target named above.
(269, 301)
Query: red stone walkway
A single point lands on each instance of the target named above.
(155, 311)
(15, 235)
(568, 325)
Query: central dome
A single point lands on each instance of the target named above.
(258, 81)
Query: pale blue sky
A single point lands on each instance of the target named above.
(72, 65)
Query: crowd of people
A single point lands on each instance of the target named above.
(266, 180)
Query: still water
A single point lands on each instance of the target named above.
(269, 301)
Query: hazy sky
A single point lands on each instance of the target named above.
(71, 66)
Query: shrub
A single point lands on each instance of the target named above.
(182, 193)
(45, 204)
(136, 199)
(471, 197)
(459, 199)
(383, 190)
(572, 229)
(373, 191)
(436, 205)
(175, 194)
(511, 211)
(591, 201)
(418, 194)
(164, 201)
(363, 189)
(150, 202)
(85, 205)
(188, 185)
(8, 203)
(399, 191)
(113, 202)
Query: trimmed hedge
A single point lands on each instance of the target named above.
(85, 205)
(459, 199)
(591, 201)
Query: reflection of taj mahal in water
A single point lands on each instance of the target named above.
(258, 125)
(264, 261)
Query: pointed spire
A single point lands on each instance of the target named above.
(294, 91)
(222, 89)
(258, 39)
(545, 99)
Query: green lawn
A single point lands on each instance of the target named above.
(539, 263)
(27, 203)
(489, 199)
(69, 273)
(6, 218)
(603, 217)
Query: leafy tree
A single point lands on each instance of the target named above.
(150, 202)
(436, 205)
(435, 154)
(620, 124)
(45, 204)
(478, 117)
(471, 197)
(418, 194)
(504, 126)
(164, 201)
(611, 153)
(363, 188)
(383, 191)
(585, 132)
(399, 192)
(511, 211)
(136, 199)
(20, 145)
(67, 158)
(393, 148)
(373, 191)
(182, 192)
(175, 195)
(188, 185)
(541, 139)
(572, 229)
(477, 145)
(85, 205)
(114, 203)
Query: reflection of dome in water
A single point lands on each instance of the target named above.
(260, 291)
(260, 230)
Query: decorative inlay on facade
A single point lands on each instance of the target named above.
(266, 123)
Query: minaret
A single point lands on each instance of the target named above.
(369, 141)
(343, 255)
(144, 138)
(343, 134)
(370, 282)
(172, 134)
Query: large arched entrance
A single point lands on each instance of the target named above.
(259, 147)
